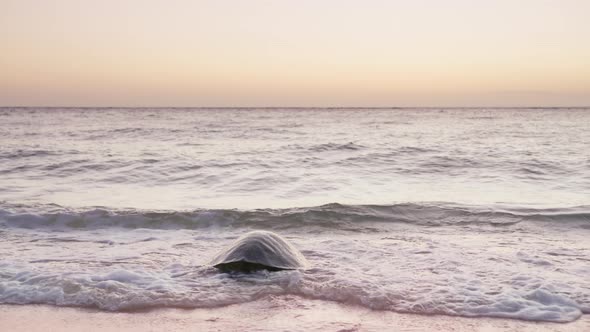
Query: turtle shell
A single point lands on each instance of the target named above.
(260, 250)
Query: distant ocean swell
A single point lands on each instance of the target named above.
(336, 216)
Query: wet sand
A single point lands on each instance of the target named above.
(284, 313)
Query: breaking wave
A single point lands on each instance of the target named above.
(331, 216)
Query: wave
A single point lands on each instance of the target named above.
(179, 286)
(331, 216)
(325, 147)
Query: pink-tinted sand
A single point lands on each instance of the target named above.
(286, 313)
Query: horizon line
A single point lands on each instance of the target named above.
(299, 107)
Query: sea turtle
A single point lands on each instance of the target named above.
(259, 250)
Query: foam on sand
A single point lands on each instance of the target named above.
(272, 313)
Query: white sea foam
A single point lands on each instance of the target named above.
(407, 268)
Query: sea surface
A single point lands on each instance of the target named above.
(468, 212)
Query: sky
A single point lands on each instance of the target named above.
(304, 53)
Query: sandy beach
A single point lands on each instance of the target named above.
(285, 313)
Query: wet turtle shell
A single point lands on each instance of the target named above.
(259, 250)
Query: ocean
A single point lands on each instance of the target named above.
(462, 212)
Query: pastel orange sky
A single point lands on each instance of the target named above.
(294, 53)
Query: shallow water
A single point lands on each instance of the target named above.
(460, 212)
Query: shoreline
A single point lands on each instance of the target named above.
(271, 313)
